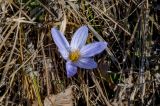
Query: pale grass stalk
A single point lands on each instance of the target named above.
(99, 89)
(45, 64)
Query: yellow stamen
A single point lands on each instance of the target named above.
(74, 55)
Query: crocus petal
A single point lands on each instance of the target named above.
(93, 49)
(79, 38)
(61, 42)
(87, 63)
(71, 69)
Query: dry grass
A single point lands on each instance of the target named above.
(31, 68)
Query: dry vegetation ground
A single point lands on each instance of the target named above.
(32, 71)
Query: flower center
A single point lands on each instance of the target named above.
(74, 55)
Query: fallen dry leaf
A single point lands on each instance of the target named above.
(64, 98)
(35, 103)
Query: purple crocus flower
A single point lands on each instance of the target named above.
(77, 54)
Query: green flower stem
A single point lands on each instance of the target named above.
(36, 90)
